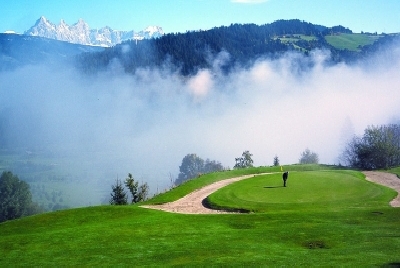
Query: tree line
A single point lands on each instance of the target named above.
(378, 148)
(138, 193)
(188, 52)
(193, 166)
(16, 197)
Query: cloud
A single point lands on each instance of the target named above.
(200, 84)
(98, 127)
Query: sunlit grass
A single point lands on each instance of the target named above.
(206, 179)
(395, 170)
(350, 41)
(316, 190)
(364, 235)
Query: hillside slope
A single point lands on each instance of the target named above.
(108, 235)
(227, 47)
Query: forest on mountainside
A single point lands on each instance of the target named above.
(234, 45)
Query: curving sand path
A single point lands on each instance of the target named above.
(387, 179)
(193, 202)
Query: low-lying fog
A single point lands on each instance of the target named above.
(114, 123)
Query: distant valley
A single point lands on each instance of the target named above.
(75, 116)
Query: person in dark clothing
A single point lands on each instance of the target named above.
(285, 177)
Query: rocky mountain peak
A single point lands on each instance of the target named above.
(80, 33)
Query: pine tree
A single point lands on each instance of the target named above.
(118, 195)
(276, 161)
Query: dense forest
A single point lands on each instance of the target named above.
(243, 43)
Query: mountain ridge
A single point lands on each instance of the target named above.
(241, 43)
(192, 51)
(81, 33)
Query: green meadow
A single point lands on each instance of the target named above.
(350, 41)
(325, 217)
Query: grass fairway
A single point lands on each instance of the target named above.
(367, 234)
(312, 190)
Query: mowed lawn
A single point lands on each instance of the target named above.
(312, 190)
(352, 231)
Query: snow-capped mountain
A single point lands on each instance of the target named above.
(80, 33)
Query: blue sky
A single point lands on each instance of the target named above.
(186, 15)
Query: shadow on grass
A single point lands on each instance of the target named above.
(316, 245)
(392, 265)
(207, 204)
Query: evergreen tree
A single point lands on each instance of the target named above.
(276, 161)
(118, 195)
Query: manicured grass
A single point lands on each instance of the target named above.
(350, 41)
(396, 171)
(206, 179)
(315, 190)
(191, 185)
(360, 236)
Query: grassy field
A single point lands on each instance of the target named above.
(360, 230)
(396, 171)
(331, 191)
(350, 41)
(295, 38)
